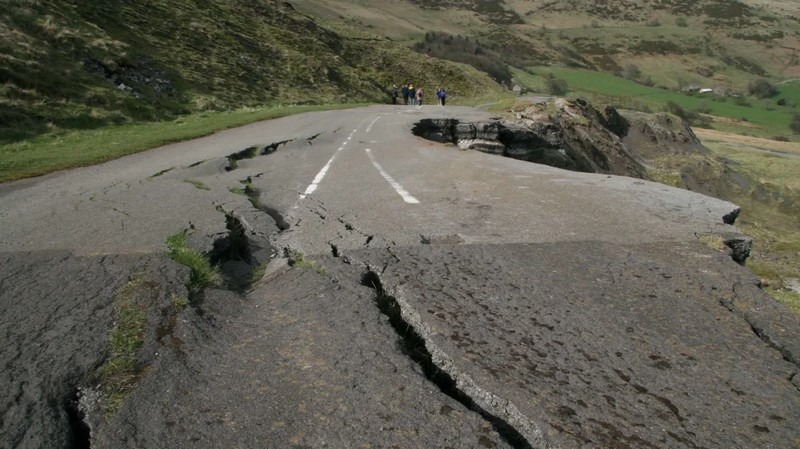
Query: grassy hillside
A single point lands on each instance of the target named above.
(82, 65)
(671, 45)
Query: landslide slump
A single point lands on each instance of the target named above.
(569, 135)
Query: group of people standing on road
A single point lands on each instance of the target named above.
(414, 96)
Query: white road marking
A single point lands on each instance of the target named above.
(407, 197)
(318, 179)
(369, 128)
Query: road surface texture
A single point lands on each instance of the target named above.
(415, 296)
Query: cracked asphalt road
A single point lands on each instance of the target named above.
(580, 310)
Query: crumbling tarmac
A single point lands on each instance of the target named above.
(531, 307)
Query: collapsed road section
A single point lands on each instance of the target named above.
(606, 345)
(519, 305)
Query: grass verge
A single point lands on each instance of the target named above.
(203, 273)
(59, 151)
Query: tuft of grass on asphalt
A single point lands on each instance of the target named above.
(119, 373)
(713, 241)
(203, 273)
(179, 302)
(296, 259)
(197, 184)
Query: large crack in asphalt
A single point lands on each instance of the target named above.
(254, 195)
(241, 255)
(80, 431)
(512, 426)
(758, 330)
(254, 151)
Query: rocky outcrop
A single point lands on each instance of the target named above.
(569, 135)
(653, 135)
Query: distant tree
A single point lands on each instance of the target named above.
(681, 22)
(632, 72)
(675, 108)
(762, 88)
(795, 124)
(556, 86)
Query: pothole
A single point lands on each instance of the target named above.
(242, 254)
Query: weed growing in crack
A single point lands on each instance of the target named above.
(203, 272)
(237, 191)
(252, 193)
(179, 302)
(257, 273)
(296, 259)
(197, 184)
(247, 153)
(120, 372)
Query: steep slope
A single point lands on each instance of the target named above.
(673, 42)
(86, 64)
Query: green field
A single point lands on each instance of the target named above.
(748, 115)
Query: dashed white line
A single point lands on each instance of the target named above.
(318, 179)
(369, 128)
(407, 197)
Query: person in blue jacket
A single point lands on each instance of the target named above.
(441, 94)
